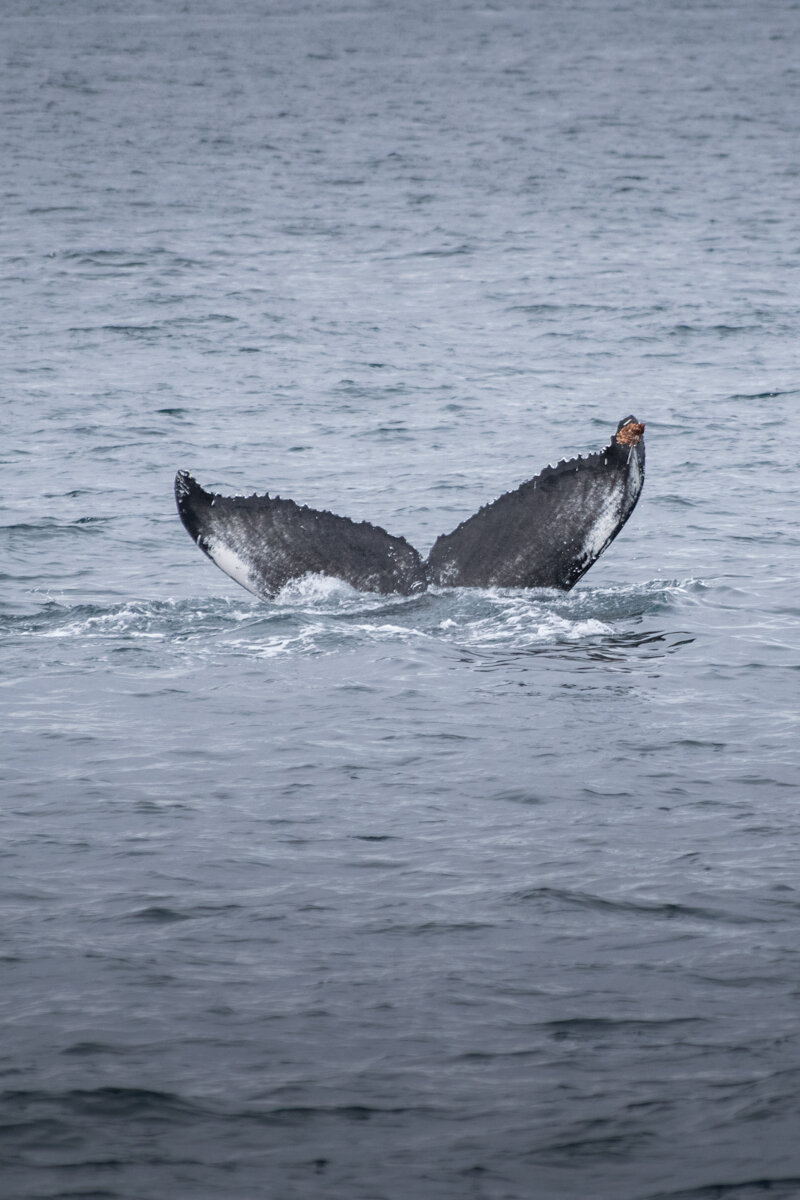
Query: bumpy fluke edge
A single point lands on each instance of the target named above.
(546, 533)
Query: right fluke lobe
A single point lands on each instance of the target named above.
(549, 531)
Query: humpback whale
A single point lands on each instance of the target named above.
(545, 534)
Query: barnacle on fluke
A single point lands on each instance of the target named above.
(630, 434)
(546, 533)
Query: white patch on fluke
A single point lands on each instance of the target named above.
(230, 562)
(607, 520)
(603, 529)
(635, 473)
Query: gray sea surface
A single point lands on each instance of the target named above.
(474, 895)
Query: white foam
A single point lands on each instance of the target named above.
(524, 625)
(316, 589)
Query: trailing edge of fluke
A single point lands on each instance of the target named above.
(546, 533)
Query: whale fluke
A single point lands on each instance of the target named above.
(263, 542)
(546, 533)
(550, 530)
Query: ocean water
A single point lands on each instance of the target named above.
(475, 895)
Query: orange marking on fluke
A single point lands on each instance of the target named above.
(631, 434)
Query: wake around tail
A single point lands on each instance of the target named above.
(546, 533)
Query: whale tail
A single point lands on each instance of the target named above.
(546, 533)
